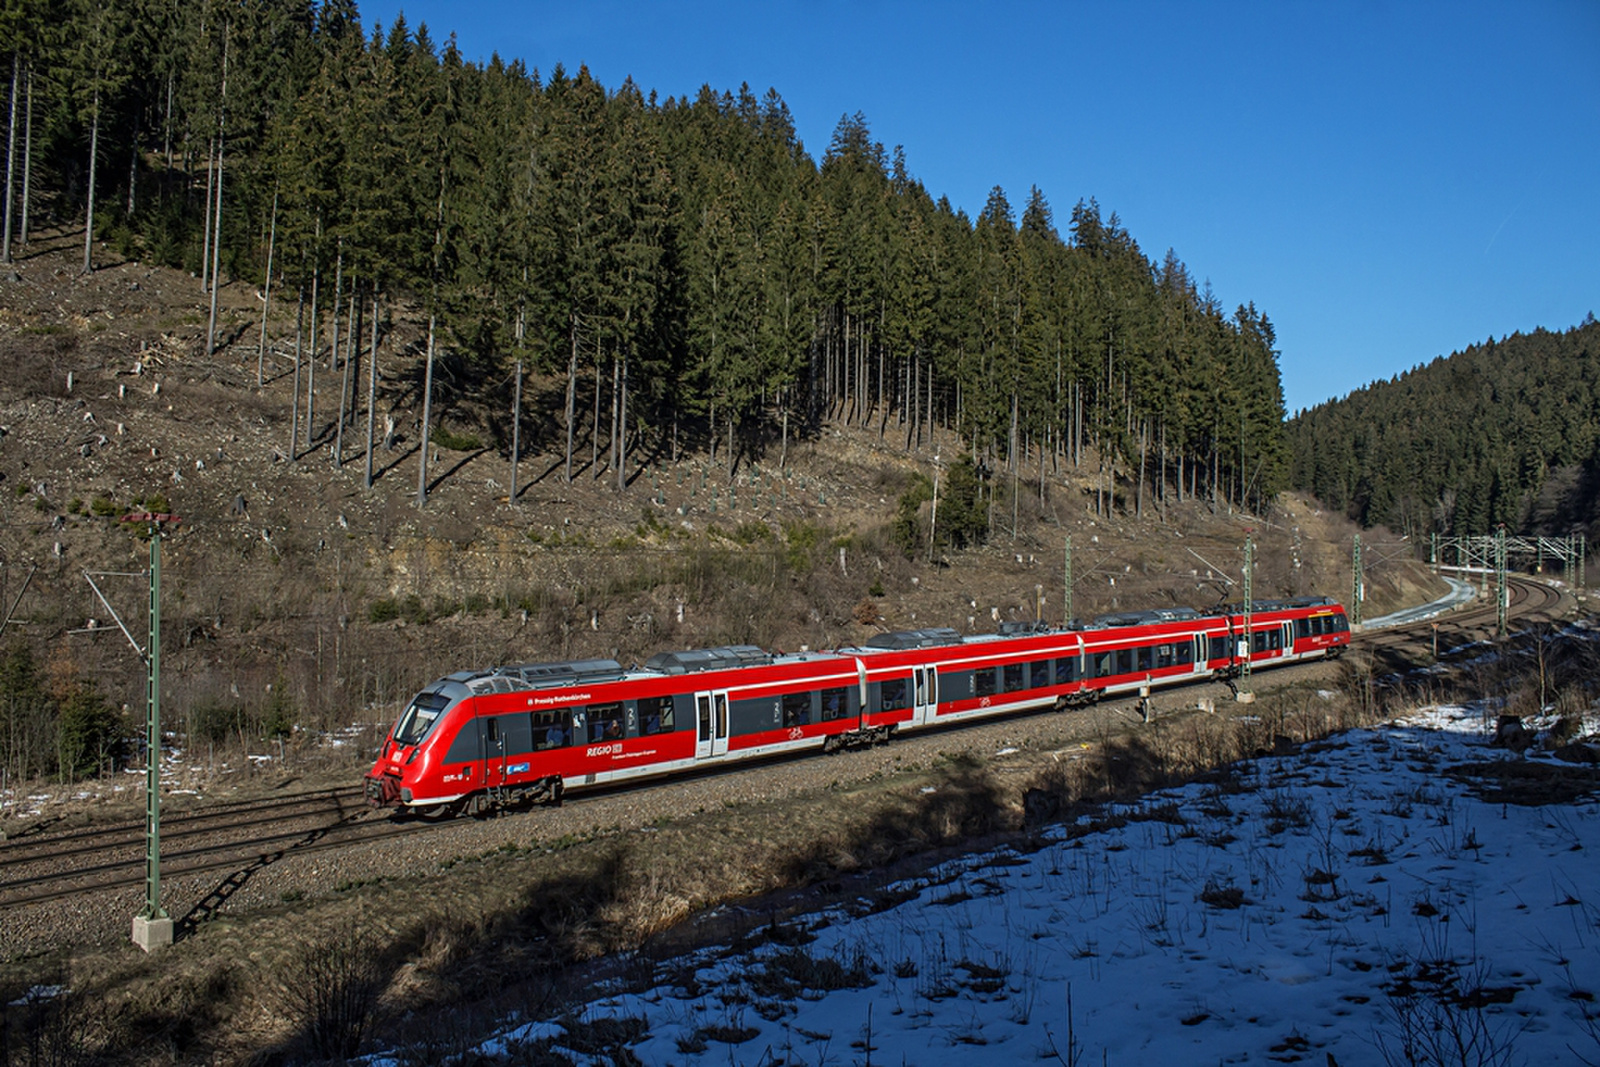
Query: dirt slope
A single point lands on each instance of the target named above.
(287, 576)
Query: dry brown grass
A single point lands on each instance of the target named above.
(1191, 746)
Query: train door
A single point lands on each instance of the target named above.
(1199, 653)
(494, 744)
(924, 695)
(1288, 640)
(711, 714)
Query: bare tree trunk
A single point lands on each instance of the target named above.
(616, 400)
(914, 395)
(344, 383)
(88, 225)
(133, 173)
(594, 427)
(11, 154)
(1161, 484)
(1015, 437)
(883, 424)
(622, 433)
(1144, 448)
(266, 298)
(352, 348)
(166, 125)
(783, 449)
(572, 392)
(1044, 446)
(338, 298)
(311, 353)
(205, 215)
(216, 258)
(1016, 491)
(516, 430)
(847, 413)
(216, 230)
(427, 417)
(372, 385)
(27, 154)
(294, 393)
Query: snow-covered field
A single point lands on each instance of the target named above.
(1350, 904)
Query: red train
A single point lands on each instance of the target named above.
(478, 739)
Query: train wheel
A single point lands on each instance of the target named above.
(433, 812)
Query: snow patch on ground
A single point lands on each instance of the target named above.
(1352, 900)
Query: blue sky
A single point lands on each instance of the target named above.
(1389, 182)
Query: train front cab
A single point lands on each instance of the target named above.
(1325, 631)
(410, 754)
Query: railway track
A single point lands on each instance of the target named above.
(240, 837)
(1458, 632)
(41, 866)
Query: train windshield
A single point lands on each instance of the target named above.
(419, 717)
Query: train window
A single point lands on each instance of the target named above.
(655, 715)
(1163, 656)
(894, 694)
(1104, 664)
(1302, 627)
(1013, 677)
(796, 709)
(466, 745)
(1340, 625)
(1185, 651)
(1275, 639)
(955, 685)
(1041, 673)
(552, 729)
(983, 682)
(1219, 648)
(418, 719)
(835, 704)
(516, 735)
(1066, 670)
(754, 715)
(605, 722)
(1142, 659)
(1124, 661)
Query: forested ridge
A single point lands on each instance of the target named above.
(1505, 432)
(688, 270)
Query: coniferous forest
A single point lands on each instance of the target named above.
(1505, 432)
(685, 267)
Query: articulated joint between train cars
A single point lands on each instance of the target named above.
(863, 738)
